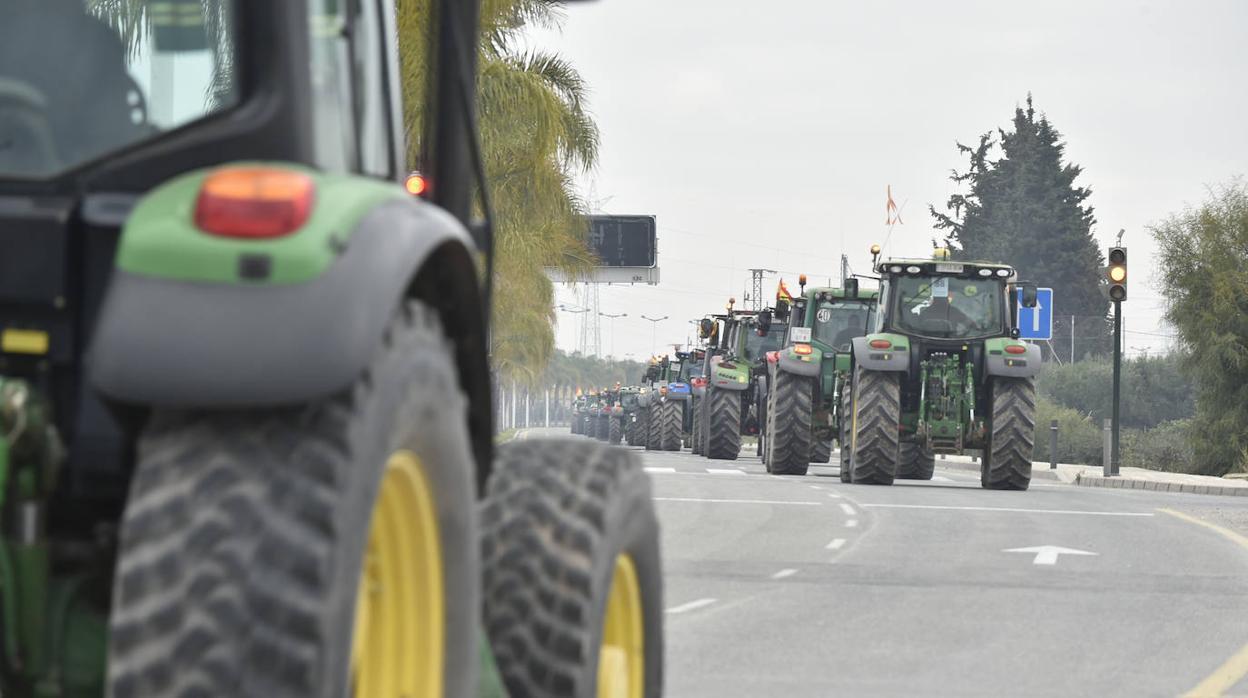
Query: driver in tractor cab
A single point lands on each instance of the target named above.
(853, 324)
(45, 91)
(940, 310)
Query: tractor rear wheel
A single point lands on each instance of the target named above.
(697, 427)
(916, 462)
(844, 418)
(654, 426)
(671, 424)
(573, 584)
(1006, 464)
(788, 425)
(875, 432)
(324, 549)
(615, 431)
(820, 449)
(723, 438)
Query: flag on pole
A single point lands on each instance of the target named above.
(893, 215)
(782, 293)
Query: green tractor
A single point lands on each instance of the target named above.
(609, 420)
(662, 406)
(730, 404)
(628, 419)
(246, 425)
(942, 371)
(803, 378)
(580, 409)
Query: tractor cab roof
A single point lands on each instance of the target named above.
(907, 266)
(836, 292)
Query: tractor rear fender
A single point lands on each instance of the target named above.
(999, 362)
(894, 357)
(193, 321)
(807, 365)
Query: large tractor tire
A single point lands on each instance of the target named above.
(1006, 464)
(602, 428)
(573, 579)
(820, 449)
(325, 549)
(875, 432)
(671, 424)
(843, 436)
(696, 446)
(788, 434)
(654, 426)
(615, 431)
(916, 462)
(723, 438)
(630, 430)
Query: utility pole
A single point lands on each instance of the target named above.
(756, 297)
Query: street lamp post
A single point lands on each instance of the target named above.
(654, 323)
(612, 318)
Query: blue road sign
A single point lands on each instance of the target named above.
(1037, 322)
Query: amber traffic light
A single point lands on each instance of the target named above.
(1117, 273)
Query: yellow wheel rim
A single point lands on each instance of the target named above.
(621, 661)
(399, 617)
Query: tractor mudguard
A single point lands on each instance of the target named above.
(678, 391)
(735, 378)
(181, 341)
(807, 365)
(998, 362)
(895, 358)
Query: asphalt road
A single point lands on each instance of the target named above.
(804, 586)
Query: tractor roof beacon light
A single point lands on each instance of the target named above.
(875, 254)
(801, 283)
(1116, 273)
(416, 184)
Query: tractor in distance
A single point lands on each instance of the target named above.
(628, 418)
(731, 406)
(942, 371)
(246, 424)
(692, 366)
(610, 420)
(804, 378)
(662, 407)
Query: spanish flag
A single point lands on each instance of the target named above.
(782, 293)
(892, 213)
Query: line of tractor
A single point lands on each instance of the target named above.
(927, 362)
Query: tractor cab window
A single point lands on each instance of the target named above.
(756, 345)
(836, 324)
(81, 79)
(948, 307)
(674, 370)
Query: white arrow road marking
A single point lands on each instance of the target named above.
(852, 523)
(788, 572)
(849, 511)
(835, 544)
(1047, 554)
(691, 606)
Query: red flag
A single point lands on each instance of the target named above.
(892, 214)
(782, 293)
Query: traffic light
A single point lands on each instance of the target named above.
(1117, 273)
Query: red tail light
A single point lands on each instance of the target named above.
(879, 344)
(1015, 349)
(803, 349)
(254, 202)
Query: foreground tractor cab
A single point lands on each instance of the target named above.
(246, 439)
(804, 378)
(942, 371)
(734, 396)
(662, 406)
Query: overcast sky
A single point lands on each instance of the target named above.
(766, 137)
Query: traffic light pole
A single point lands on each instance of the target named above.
(1114, 452)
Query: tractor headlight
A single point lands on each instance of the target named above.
(985, 272)
(1003, 273)
(896, 269)
(913, 269)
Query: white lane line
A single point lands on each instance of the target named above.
(836, 544)
(849, 511)
(815, 487)
(660, 470)
(941, 478)
(735, 501)
(726, 471)
(691, 606)
(788, 572)
(1008, 509)
(834, 496)
(852, 523)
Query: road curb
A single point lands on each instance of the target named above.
(1036, 472)
(1084, 480)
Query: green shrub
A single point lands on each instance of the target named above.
(1166, 447)
(1079, 437)
(1154, 389)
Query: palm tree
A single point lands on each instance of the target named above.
(536, 134)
